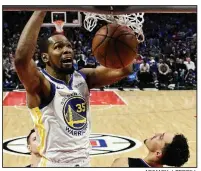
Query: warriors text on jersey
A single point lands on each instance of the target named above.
(62, 123)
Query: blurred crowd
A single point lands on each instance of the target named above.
(167, 58)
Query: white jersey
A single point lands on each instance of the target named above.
(62, 123)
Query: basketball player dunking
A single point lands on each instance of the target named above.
(58, 96)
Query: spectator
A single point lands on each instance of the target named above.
(75, 64)
(80, 62)
(144, 74)
(189, 64)
(144, 67)
(163, 70)
(153, 66)
(90, 62)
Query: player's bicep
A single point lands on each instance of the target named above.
(29, 75)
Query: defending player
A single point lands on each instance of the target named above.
(164, 149)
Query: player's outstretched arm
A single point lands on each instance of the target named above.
(31, 78)
(101, 76)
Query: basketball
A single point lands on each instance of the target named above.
(115, 46)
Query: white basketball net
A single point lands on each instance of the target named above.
(134, 21)
(59, 26)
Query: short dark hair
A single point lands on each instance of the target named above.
(31, 132)
(177, 152)
(43, 42)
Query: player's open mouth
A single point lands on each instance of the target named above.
(67, 61)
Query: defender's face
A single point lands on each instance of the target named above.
(158, 141)
(33, 144)
(60, 52)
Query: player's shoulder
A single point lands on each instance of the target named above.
(137, 162)
(81, 73)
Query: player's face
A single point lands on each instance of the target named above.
(33, 144)
(158, 141)
(60, 53)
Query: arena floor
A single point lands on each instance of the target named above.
(135, 115)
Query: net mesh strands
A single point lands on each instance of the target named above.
(134, 21)
(59, 26)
